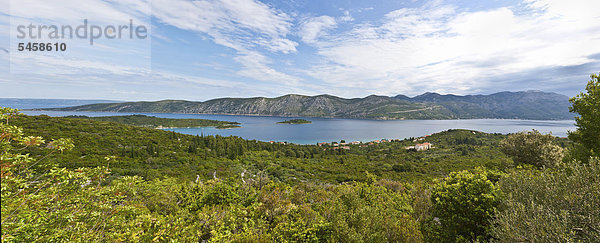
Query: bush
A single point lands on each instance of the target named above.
(370, 213)
(552, 206)
(533, 148)
(462, 206)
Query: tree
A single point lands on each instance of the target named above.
(462, 206)
(533, 148)
(587, 105)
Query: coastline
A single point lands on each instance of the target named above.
(319, 117)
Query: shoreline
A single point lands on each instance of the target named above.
(312, 117)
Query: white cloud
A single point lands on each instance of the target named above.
(55, 71)
(256, 67)
(238, 24)
(243, 25)
(51, 65)
(441, 48)
(315, 27)
(74, 11)
(247, 26)
(347, 17)
(436, 47)
(80, 78)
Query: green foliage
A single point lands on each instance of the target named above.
(532, 148)
(462, 206)
(155, 122)
(587, 135)
(372, 213)
(153, 153)
(125, 183)
(220, 194)
(558, 205)
(303, 213)
(60, 204)
(262, 192)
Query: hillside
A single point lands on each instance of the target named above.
(126, 182)
(153, 153)
(533, 105)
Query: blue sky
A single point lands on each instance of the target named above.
(200, 50)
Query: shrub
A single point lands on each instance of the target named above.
(555, 205)
(533, 148)
(462, 206)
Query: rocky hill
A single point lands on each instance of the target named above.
(534, 105)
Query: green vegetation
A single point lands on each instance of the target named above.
(227, 126)
(558, 205)
(463, 205)
(295, 121)
(44, 202)
(156, 122)
(67, 179)
(587, 135)
(532, 148)
(153, 153)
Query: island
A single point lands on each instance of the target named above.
(228, 126)
(160, 123)
(295, 121)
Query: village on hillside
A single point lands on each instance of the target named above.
(349, 145)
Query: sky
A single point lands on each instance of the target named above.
(199, 50)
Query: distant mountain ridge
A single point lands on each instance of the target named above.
(534, 105)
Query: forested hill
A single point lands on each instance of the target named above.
(535, 105)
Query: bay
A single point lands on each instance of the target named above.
(265, 128)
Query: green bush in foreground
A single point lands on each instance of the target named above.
(60, 204)
(462, 206)
(556, 205)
